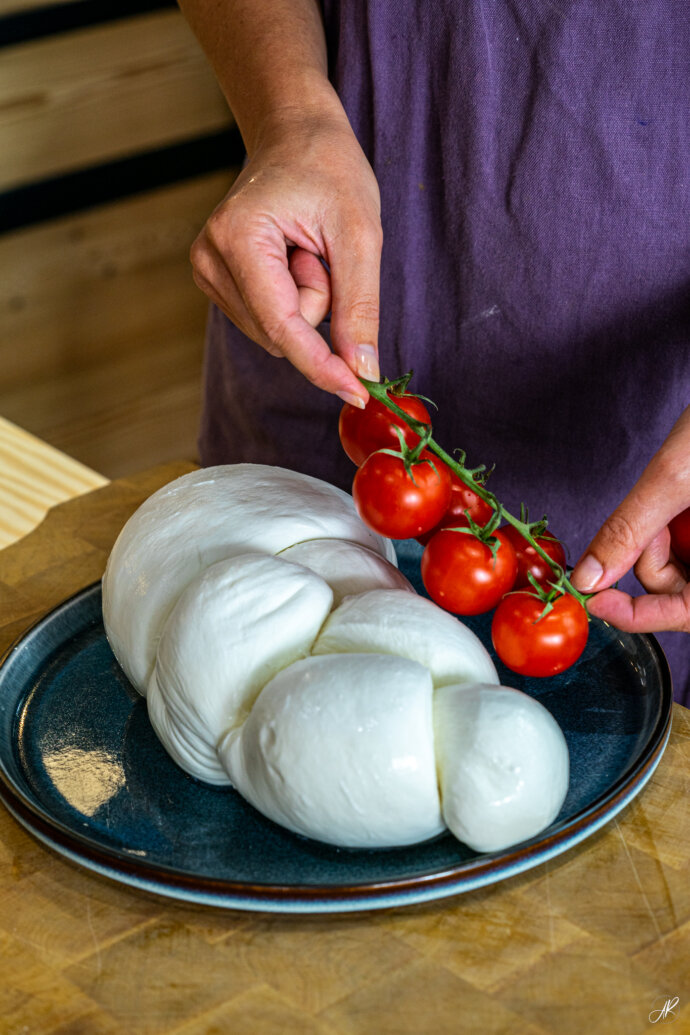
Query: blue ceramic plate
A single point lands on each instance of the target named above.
(81, 768)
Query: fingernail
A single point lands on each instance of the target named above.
(352, 399)
(366, 362)
(588, 573)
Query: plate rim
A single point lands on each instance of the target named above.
(483, 870)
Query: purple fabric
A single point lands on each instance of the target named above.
(533, 161)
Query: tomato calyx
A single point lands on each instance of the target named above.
(400, 494)
(385, 392)
(398, 387)
(484, 533)
(363, 432)
(412, 456)
(480, 474)
(550, 593)
(538, 528)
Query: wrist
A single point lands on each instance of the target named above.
(310, 105)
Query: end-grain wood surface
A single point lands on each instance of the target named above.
(593, 941)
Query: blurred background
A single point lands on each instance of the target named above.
(115, 145)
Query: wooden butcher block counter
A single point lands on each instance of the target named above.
(596, 940)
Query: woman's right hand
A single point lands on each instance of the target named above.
(307, 193)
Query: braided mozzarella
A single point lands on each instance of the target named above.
(282, 652)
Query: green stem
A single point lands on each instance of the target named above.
(380, 392)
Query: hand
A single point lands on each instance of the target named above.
(308, 193)
(637, 534)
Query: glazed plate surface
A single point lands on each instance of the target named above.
(81, 768)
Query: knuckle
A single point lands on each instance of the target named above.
(277, 331)
(203, 278)
(651, 581)
(218, 223)
(357, 223)
(674, 611)
(319, 370)
(198, 249)
(200, 280)
(318, 381)
(618, 532)
(673, 471)
(365, 309)
(202, 264)
(368, 233)
(223, 231)
(646, 571)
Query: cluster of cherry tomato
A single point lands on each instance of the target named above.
(469, 565)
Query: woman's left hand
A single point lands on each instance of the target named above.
(637, 536)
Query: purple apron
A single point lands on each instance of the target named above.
(534, 166)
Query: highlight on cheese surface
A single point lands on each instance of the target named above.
(413, 627)
(503, 764)
(203, 517)
(283, 653)
(348, 568)
(232, 630)
(341, 748)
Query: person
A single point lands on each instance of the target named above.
(491, 194)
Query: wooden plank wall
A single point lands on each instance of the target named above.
(13, 6)
(101, 326)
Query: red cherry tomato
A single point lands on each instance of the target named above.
(544, 647)
(362, 432)
(462, 575)
(395, 505)
(462, 499)
(680, 535)
(530, 561)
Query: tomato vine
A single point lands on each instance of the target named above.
(385, 392)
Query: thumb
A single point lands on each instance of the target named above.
(355, 264)
(313, 285)
(618, 544)
(661, 492)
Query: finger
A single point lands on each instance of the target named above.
(623, 537)
(218, 284)
(656, 568)
(312, 280)
(235, 315)
(355, 263)
(211, 274)
(661, 492)
(313, 285)
(654, 613)
(259, 266)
